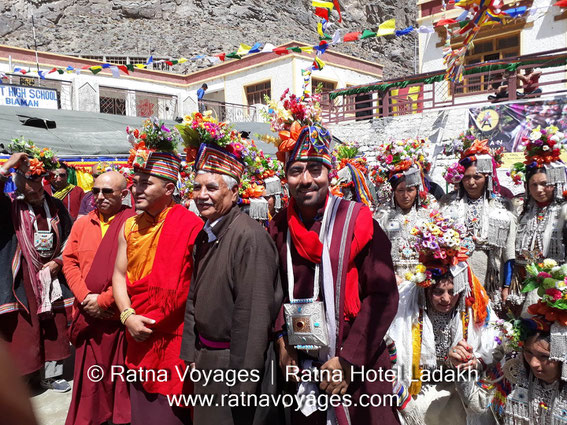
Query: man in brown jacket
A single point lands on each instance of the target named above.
(234, 296)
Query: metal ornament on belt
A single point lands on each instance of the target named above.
(43, 240)
(306, 324)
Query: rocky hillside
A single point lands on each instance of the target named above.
(189, 27)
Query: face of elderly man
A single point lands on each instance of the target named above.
(109, 190)
(213, 195)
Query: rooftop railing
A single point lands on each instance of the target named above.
(423, 92)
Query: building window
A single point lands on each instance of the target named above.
(256, 92)
(485, 50)
(112, 101)
(326, 86)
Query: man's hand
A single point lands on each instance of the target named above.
(54, 268)
(505, 293)
(461, 356)
(287, 355)
(18, 160)
(136, 325)
(91, 307)
(332, 386)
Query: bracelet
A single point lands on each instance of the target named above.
(125, 314)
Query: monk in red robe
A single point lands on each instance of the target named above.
(68, 193)
(151, 282)
(332, 252)
(96, 331)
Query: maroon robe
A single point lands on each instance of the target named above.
(361, 341)
(72, 201)
(99, 342)
(30, 340)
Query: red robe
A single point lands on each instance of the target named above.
(162, 296)
(72, 201)
(360, 339)
(97, 341)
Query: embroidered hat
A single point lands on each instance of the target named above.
(211, 145)
(215, 159)
(41, 160)
(313, 144)
(153, 150)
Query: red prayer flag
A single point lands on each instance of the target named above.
(169, 63)
(443, 22)
(221, 56)
(322, 12)
(561, 3)
(124, 69)
(52, 70)
(338, 7)
(281, 51)
(351, 36)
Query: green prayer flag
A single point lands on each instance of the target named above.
(367, 34)
(294, 49)
(60, 71)
(233, 55)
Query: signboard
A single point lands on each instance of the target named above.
(28, 97)
(508, 125)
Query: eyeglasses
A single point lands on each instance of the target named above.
(104, 190)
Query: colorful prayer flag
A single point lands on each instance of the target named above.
(327, 4)
(322, 12)
(386, 28)
(351, 36)
(367, 34)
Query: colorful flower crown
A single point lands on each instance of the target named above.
(461, 143)
(349, 153)
(154, 137)
(259, 168)
(41, 161)
(397, 156)
(469, 148)
(550, 280)
(439, 242)
(543, 146)
(200, 128)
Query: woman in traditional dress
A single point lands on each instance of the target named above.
(476, 204)
(401, 165)
(533, 390)
(444, 310)
(541, 225)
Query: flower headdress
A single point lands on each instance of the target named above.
(402, 158)
(550, 281)
(211, 145)
(41, 160)
(154, 150)
(470, 149)
(352, 170)
(262, 177)
(542, 149)
(442, 249)
(297, 120)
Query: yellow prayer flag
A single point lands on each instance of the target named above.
(182, 60)
(320, 30)
(325, 4)
(96, 67)
(320, 63)
(386, 28)
(140, 65)
(243, 50)
(307, 49)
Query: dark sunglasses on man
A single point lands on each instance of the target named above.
(104, 190)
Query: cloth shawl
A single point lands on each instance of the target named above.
(161, 296)
(46, 290)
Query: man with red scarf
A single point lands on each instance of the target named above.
(150, 285)
(96, 332)
(340, 292)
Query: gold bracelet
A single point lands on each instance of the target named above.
(125, 314)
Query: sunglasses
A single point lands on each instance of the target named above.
(104, 190)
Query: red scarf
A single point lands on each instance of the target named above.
(305, 241)
(310, 247)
